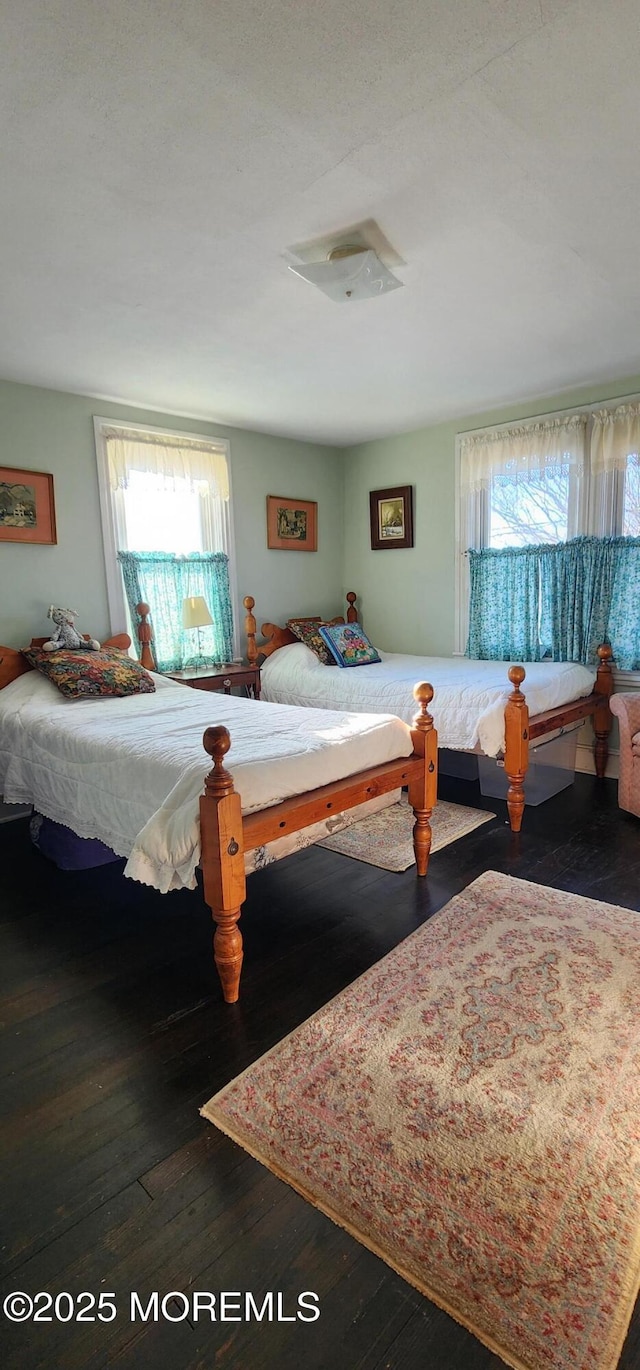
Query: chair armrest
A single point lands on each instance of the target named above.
(626, 707)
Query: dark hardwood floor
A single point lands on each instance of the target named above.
(114, 1034)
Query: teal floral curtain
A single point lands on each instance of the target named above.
(505, 604)
(577, 579)
(559, 601)
(624, 610)
(163, 580)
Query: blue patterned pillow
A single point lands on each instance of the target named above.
(349, 644)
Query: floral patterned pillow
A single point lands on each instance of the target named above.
(307, 631)
(87, 675)
(349, 644)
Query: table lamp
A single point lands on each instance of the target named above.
(195, 614)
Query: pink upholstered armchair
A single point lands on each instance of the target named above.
(626, 707)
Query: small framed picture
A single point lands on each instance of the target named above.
(391, 514)
(27, 512)
(292, 524)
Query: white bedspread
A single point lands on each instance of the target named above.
(469, 699)
(130, 771)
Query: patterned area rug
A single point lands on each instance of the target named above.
(385, 838)
(469, 1109)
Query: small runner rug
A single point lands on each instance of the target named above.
(385, 838)
(469, 1109)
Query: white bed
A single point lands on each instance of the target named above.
(130, 771)
(146, 774)
(469, 696)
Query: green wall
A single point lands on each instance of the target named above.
(48, 430)
(407, 599)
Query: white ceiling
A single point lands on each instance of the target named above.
(158, 158)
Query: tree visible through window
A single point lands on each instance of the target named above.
(530, 509)
(631, 503)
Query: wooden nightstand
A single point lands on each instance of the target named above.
(220, 677)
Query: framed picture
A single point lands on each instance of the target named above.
(292, 524)
(391, 517)
(27, 511)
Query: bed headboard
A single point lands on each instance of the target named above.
(281, 637)
(13, 664)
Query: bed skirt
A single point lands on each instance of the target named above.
(63, 846)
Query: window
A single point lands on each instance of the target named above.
(166, 514)
(527, 511)
(547, 481)
(631, 497)
(157, 519)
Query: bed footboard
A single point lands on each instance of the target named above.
(602, 715)
(225, 835)
(520, 730)
(222, 861)
(516, 747)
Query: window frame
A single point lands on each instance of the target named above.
(118, 610)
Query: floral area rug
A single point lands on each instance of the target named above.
(385, 838)
(469, 1109)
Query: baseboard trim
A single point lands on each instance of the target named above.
(586, 765)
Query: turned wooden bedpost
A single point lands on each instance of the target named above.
(423, 792)
(145, 637)
(352, 612)
(602, 716)
(516, 747)
(250, 630)
(222, 861)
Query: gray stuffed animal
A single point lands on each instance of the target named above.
(65, 634)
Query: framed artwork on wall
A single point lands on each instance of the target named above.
(391, 513)
(292, 524)
(27, 512)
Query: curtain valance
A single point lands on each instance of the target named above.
(200, 464)
(521, 450)
(615, 436)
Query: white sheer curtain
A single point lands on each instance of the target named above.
(615, 436)
(615, 450)
(193, 460)
(598, 450)
(521, 451)
(197, 466)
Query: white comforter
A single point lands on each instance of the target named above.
(130, 771)
(469, 696)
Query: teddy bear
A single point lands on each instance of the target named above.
(65, 634)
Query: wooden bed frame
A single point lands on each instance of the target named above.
(520, 728)
(226, 834)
